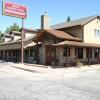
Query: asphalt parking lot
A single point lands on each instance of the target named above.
(19, 84)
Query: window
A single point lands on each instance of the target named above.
(80, 53)
(14, 54)
(26, 53)
(17, 53)
(96, 53)
(65, 52)
(97, 33)
(32, 52)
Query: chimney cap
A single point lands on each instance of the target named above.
(45, 13)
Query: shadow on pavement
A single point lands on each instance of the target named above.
(25, 69)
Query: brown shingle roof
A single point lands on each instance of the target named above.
(29, 30)
(80, 21)
(59, 34)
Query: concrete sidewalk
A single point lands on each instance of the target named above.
(24, 82)
(48, 71)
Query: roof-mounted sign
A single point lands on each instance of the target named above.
(15, 10)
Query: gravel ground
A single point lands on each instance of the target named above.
(23, 82)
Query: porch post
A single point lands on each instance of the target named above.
(6, 57)
(5, 54)
(89, 58)
(0, 54)
(67, 57)
(98, 55)
(55, 62)
(12, 55)
(9, 53)
(92, 52)
(77, 60)
(84, 53)
(28, 55)
(37, 52)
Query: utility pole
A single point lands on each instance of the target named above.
(22, 43)
(6, 6)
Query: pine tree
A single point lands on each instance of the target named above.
(14, 27)
(1, 37)
(68, 19)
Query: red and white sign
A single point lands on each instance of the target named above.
(15, 10)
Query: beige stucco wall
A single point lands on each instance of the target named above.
(89, 32)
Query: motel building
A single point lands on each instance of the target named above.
(66, 44)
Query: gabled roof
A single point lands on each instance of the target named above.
(16, 44)
(77, 22)
(57, 34)
(30, 38)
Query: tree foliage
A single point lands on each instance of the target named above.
(1, 37)
(68, 19)
(14, 27)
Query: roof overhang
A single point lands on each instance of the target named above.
(16, 44)
(77, 44)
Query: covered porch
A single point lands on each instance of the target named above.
(11, 51)
(72, 53)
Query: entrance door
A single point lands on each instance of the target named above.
(48, 55)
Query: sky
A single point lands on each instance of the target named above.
(58, 10)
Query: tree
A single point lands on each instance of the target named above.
(1, 37)
(14, 27)
(68, 19)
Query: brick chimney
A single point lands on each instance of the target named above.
(45, 21)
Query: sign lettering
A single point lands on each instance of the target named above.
(15, 10)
